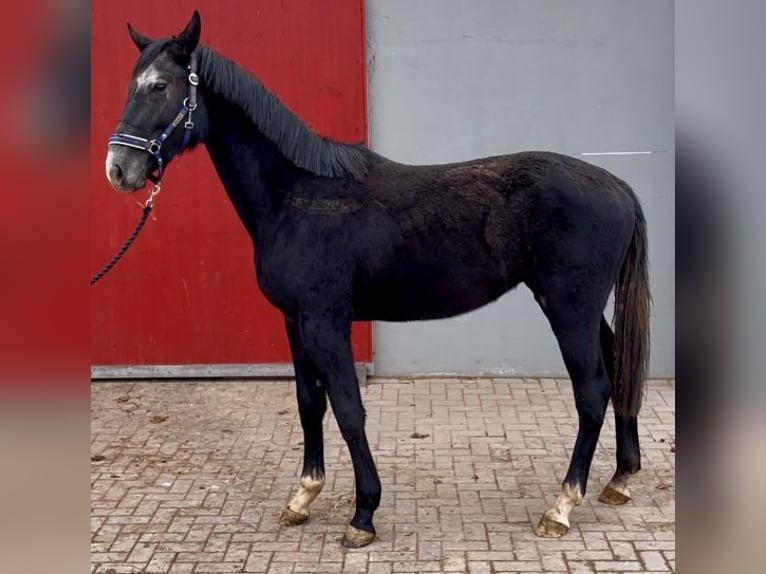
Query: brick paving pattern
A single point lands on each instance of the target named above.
(190, 478)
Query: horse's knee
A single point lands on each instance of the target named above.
(351, 426)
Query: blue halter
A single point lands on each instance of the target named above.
(154, 146)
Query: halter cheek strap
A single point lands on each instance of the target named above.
(154, 146)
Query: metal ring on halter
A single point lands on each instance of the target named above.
(153, 147)
(190, 106)
(194, 79)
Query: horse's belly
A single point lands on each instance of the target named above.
(415, 300)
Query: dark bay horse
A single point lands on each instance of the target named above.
(343, 234)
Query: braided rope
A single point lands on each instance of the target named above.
(133, 236)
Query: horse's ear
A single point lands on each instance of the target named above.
(140, 41)
(187, 41)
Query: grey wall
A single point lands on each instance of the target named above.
(451, 80)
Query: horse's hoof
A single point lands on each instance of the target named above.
(290, 518)
(550, 528)
(356, 538)
(614, 494)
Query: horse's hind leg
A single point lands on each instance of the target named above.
(576, 327)
(312, 404)
(628, 453)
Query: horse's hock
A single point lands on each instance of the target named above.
(196, 475)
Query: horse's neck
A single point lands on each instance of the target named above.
(251, 168)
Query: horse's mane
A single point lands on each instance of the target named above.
(294, 139)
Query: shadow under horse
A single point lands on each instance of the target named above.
(344, 234)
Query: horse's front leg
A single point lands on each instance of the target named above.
(327, 341)
(312, 404)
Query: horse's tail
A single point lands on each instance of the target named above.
(631, 322)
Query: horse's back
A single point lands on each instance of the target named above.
(504, 202)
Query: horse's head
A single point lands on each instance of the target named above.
(164, 110)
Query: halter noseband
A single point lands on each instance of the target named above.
(154, 146)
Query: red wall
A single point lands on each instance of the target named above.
(186, 291)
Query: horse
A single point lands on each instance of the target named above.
(344, 234)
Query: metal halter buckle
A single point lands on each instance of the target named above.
(153, 147)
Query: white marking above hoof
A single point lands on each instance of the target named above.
(299, 505)
(555, 522)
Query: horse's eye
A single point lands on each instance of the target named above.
(159, 87)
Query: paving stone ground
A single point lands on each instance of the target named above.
(190, 478)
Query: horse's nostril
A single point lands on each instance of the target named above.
(115, 173)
